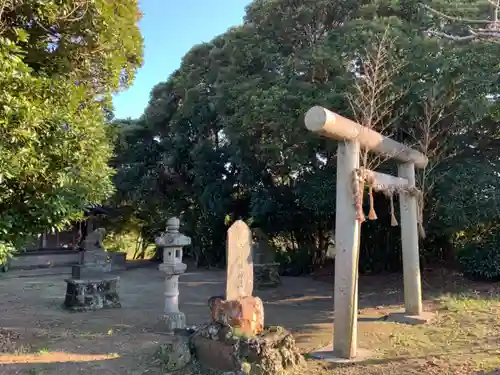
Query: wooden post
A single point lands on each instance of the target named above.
(346, 254)
(409, 242)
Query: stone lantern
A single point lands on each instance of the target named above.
(172, 242)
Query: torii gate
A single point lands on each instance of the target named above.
(350, 184)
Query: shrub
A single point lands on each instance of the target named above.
(479, 258)
(6, 252)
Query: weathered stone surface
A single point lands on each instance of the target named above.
(88, 271)
(88, 294)
(118, 260)
(246, 314)
(172, 321)
(267, 275)
(218, 347)
(215, 355)
(93, 241)
(95, 264)
(211, 303)
(96, 256)
(239, 282)
(174, 355)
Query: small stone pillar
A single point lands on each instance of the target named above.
(172, 243)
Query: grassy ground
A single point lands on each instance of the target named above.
(464, 339)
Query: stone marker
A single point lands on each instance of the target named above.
(239, 282)
(240, 309)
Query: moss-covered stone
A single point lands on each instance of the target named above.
(175, 355)
(271, 352)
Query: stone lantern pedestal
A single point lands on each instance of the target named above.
(172, 243)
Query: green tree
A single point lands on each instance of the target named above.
(230, 135)
(60, 62)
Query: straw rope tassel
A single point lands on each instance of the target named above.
(361, 215)
(357, 187)
(372, 215)
(394, 221)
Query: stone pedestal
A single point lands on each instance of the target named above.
(172, 243)
(272, 352)
(92, 294)
(173, 320)
(91, 286)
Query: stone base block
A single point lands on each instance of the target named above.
(89, 271)
(219, 348)
(118, 260)
(247, 314)
(96, 256)
(173, 321)
(174, 355)
(266, 275)
(92, 294)
(327, 354)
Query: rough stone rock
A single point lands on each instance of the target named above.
(267, 275)
(174, 355)
(219, 348)
(246, 314)
(211, 303)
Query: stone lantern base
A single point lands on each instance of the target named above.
(173, 321)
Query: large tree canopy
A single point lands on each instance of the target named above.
(228, 139)
(60, 62)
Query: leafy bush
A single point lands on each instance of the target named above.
(130, 242)
(6, 252)
(294, 262)
(479, 258)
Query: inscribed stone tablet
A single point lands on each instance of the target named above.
(239, 282)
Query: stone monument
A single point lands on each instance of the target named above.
(239, 281)
(91, 287)
(172, 242)
(266, 269)
(240, 309)
(236, 340)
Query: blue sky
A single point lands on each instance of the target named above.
(170, 28)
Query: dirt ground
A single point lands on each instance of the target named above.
(463, 339)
